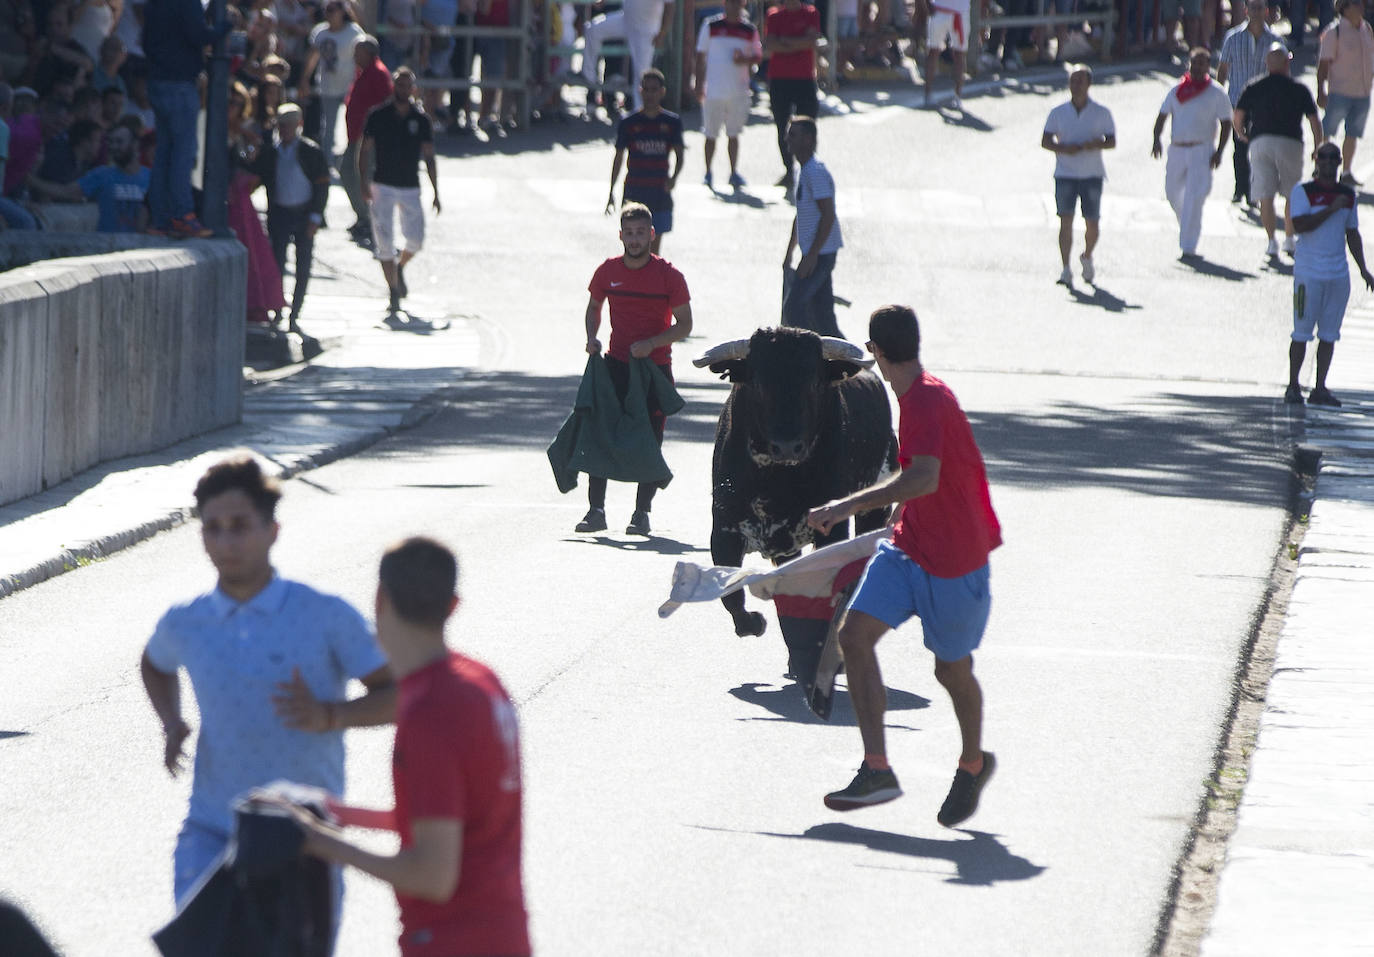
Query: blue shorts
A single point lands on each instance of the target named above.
(1354, 110)
(1319, 304)
(1085, 192)
(492, 50)
(663, 221)
(953, 611)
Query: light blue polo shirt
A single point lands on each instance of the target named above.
(235, 654)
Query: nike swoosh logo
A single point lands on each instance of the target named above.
(614, 284)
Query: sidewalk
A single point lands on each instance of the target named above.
(371, 381)
(1299, 872)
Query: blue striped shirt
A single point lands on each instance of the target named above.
(1244, 56)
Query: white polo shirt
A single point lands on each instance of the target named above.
(1197, 121)
(1071, 127)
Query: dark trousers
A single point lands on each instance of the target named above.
(1240, 160)
(786, 98)
(620, 378)
(810, 302)
(287, 225)
(1297, 17)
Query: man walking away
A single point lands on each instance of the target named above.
(727, 47)
(371, 88)
(1326, 223)
(1269, 117)
(398, 134)
(935, 568)
(790, 34)
(810, 303)
(1076, 133)
(1197, 106)
(1240, 61)
(1346, 63)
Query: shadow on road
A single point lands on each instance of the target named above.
(654, 543)
(1206, 267)
(961, 117)
(13, 734)
(786, 701)
(1102, 299)
(1226, 448)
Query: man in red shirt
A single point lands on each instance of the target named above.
(371, 87)
(456, 773)
(650, 310)
(791, 32)
(936, 568)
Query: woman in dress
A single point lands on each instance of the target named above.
(264, 280)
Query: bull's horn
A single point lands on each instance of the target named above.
(735, 349)
(833, 349)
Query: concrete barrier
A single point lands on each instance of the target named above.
(103, 356)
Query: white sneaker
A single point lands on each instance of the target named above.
(1272, 250)
(1290, 244)
(1066, 277)
(1088, 271)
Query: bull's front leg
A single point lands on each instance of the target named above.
(727, 548)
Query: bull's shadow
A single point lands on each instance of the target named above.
(786, 702)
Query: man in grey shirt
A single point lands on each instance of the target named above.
(1241, 60)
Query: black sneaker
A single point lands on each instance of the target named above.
(1293, 395)
(962, 800)
(593, 521)
(869, 787)
(1323, 397)
(639, 523)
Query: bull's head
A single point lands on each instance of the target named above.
(788, 374)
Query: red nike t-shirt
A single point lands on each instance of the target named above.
(949, 532)
(457, 756)
(642, 302)
(782, 22)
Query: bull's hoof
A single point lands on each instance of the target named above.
(751, 623)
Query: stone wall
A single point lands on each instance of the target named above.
(104, 356)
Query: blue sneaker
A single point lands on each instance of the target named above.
(736, 180)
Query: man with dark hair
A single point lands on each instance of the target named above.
(935, 567)
(643, 141)
(810, 302)
(650, 310)
(1196, 107)
(119, 186)
(269, 660)
(455, 771)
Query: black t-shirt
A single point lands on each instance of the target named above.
(396, 142)
(1274, 105)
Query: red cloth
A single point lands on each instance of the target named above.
(457, 756)
(371, 88)
(642, 302)
(783, 22)
(1189, 88)
(804, 606)
(497, 16)
(264, 279)
(949, 532)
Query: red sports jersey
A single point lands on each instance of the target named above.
(782, 22)
(642, 302)
(949, 532)
(458, 757)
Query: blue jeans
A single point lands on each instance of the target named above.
(16, 216)
(810, 303)
(175, 107)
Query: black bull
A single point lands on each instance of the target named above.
(804, 424)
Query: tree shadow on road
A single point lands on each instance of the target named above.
(980, 862)
(787, 702)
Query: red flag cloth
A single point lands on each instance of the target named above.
(802, 606)
(1190, 88)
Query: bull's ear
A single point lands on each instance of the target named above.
(838, 369)
(732, 370)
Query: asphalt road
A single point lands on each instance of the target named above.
(1138, 457)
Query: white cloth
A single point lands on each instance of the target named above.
(644, 14)
(617, 26)
(336, 68)
(725, 78)
(92, 24)
(386, 202)
(1321, 251)
(1187, 181)
(129, 29)
(1072, 127)
(1198, 120)
(810, 576)
(729, 114)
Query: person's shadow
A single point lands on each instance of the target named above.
(740, 198)
(1102, 299)
(1198, 264)
(787, 702)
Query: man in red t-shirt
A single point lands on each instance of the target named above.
(936, 568)
(456, 774)
(791, 32)
(650, 310)
(371, 88)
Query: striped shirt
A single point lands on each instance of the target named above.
(1243, 55)
(813, 183)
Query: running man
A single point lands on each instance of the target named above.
(648, 137)
(650, 310)
(1325, 220)
(456, 774)
(269, 660)
(1076, 133)
(400, 134)
(935, 567)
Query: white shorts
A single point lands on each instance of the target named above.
(946, 23)
(1319, 304)
(386, 202)
(730, 113)
(1275, 165)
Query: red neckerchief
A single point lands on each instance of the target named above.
(1190, 88)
